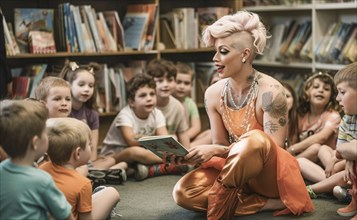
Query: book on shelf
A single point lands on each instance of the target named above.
(116, 28)
(41, 42)
(187, 36)
(109, 42)
(167, 37)
(26, 79)
(87, 33)
(348, 54)
(299, 40)
(153, 11)
(306, 52)
(135, 27)
(292, 30)
(341, 40)
(320, 46)
(31, 19)
(163, 144)
(20, 87)
(208, 15)
(273, 43)
(170, 30)
(91, 16)
(10, 38)
(82, 38)
(37, 73)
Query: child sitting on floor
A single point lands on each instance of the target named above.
(184, 79)
(318, 117)
(27, 192)
(69, 148)
(138, 119)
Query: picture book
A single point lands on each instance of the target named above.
(135, 28)
(163, 144)
(31, 19)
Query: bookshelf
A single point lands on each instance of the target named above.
(57, 59)
(321, 13)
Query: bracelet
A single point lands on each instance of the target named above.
(292, 151)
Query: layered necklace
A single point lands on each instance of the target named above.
(227, 99)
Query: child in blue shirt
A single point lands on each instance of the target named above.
(25, 191)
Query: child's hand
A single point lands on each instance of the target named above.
(329, 170)
(349, 174)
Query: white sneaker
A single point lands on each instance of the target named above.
(342, 194)
(141, 172)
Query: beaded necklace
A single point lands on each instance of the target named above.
(227, 96)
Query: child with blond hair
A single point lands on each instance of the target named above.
(27, 192)
(346, 82)
(55, 93)
(69, 148)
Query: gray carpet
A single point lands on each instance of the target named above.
(152, 199)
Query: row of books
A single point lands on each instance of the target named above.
(338, 45)
(110, 81)
(292, 41)
(79, 28)
(181, 28)
(247, 3)
(25, 80)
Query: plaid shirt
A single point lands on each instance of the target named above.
(348, 129)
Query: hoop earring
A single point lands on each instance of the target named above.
(244, 60)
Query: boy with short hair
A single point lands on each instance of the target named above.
(346, 83)
(69, 148)
(139, 118)
(164, 74)
(55, 93)
(183, 90)
(27, 192)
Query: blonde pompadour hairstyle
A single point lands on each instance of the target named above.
(242, 21)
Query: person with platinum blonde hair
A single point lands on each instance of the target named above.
(245, 170)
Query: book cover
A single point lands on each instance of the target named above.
(41, 42)
(152, 9)
(115, 27)
(135, 28)
(163, 144)
(31, 19)
(37, 73)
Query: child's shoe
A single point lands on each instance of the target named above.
(115, 176)
(311, 192)
(349, 210)
(342, 194)
(143, 172)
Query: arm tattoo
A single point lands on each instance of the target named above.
(270, 126)
(276, 108)
(282, 122)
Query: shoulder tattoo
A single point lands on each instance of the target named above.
(276, 107)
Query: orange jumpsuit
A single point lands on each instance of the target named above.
(256, 166)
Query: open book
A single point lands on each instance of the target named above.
(163, 144)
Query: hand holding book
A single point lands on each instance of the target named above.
(164, 146)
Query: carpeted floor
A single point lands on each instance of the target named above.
(152, 199)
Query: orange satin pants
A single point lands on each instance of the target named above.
(251, 166)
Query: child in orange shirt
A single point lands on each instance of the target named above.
(69, 148)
